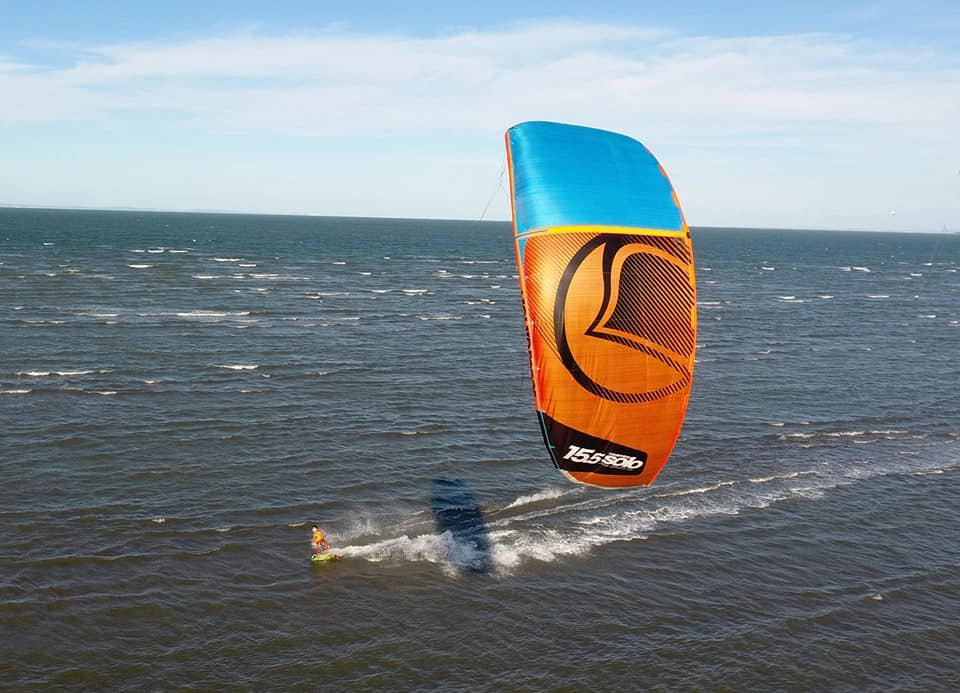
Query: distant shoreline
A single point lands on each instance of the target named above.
(139, 210)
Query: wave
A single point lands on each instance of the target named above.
(546, 494)
(441, 316)
(209, 314)
(64, 374)
(237, 366)
(560, 523)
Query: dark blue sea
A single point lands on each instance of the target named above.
(183, 395)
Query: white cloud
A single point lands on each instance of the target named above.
(385, 82)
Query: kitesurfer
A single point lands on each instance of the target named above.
(319, 540)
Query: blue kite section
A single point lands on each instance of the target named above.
(568, 175)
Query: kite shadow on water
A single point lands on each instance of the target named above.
(456, 512)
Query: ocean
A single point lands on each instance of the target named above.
(183, 395)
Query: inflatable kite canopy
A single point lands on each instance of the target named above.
(609, 296)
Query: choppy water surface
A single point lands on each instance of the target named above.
(181, 396)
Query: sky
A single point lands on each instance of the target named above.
(832, 115)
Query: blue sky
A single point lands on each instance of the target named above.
(805, 115)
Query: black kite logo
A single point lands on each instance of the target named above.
(646, 306)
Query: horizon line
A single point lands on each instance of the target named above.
(151, 210)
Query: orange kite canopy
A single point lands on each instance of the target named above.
(609, 296)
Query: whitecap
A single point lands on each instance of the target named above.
(698, 490)
(441, 316)
(227, 259)
(140, 266)
(777, 477)
(206, 314)
(237, 366)
(546, 494)
(21, 391)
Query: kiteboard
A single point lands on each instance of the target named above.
(319, 558)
